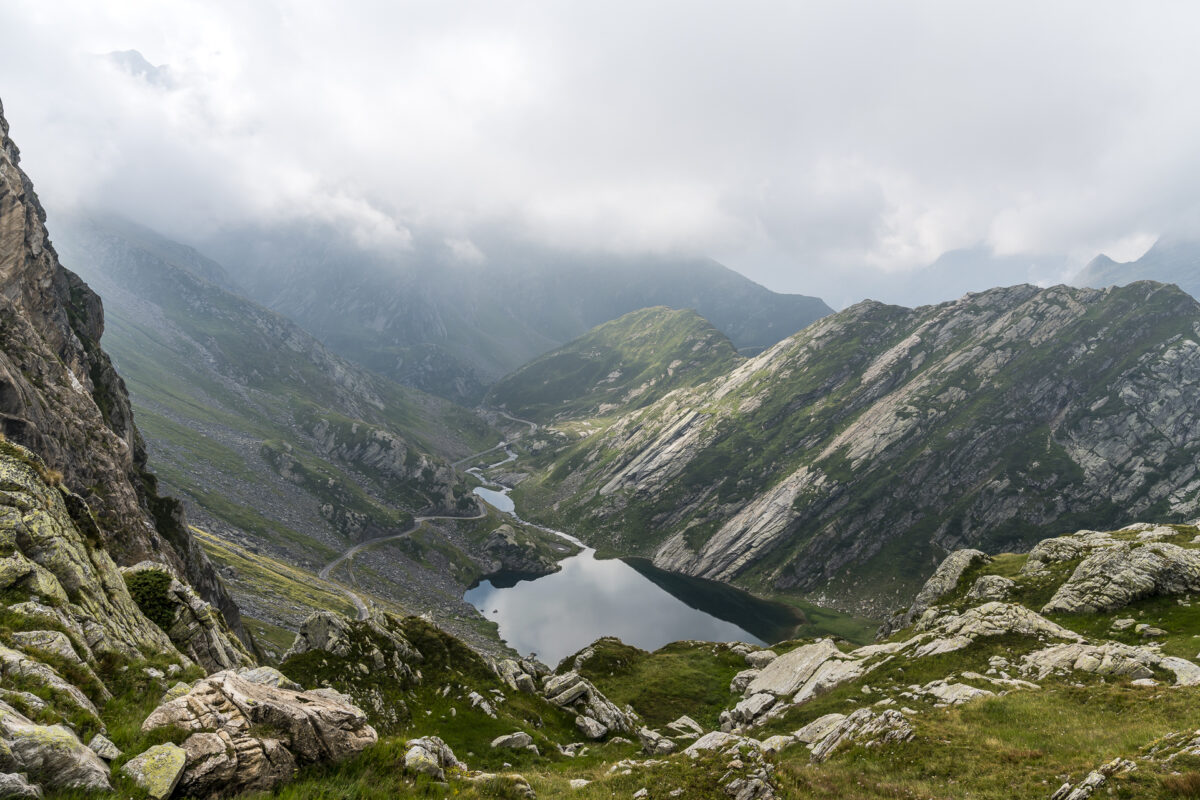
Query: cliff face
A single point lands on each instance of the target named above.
(845, 461)
(61, 397)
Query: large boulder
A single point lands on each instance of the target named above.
(430, 756)
(1116, 576)
(50, 755)
(157, 770)
(251, 736)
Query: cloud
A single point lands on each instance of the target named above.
(815, 147)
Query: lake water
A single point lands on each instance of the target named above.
(556, 615)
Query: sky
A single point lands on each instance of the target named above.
(828, 148)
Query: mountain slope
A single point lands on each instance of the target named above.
(846, 460)
(255, 420)
(453, 326)
(621, 365)
(1171, 260)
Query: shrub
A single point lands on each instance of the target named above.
(150, 590)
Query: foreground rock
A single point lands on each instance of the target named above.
(157, 770)
(1117, 576)
(430, 756)
(49, 755)
(251, 736)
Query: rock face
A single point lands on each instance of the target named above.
(1116, 576)
(196, 628)
(53, 551)
(61, 398)
(251, 736)
(987, 423)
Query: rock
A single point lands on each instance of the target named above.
(50, 755)
(225, 754)
(686, 726)
(1122, 624)
(572, 691)
(17, 665)
(267, 676)
(991, 587)
(578, 783)
(157, 770)
(590, 727)
(760, 658)
(101, 746)
(429, 755)
(774, 744)
(178, 690)
(1110, 658)
(1117, 576)
(785, 675)
(993, 619)
(1144, 682)
(16, 786)
(864, 726)
(718, 740)
(943, 581)
(640, 793)
(654, 743)
(742, 680)
(479, 701)
(753, 707)
(517, 552)
(818, 729)
(515, 676)
(515, 741)
(952, 693)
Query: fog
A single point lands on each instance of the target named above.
(829, 149)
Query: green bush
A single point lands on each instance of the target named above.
(149, 589)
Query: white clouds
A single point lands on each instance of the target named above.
(809, 145)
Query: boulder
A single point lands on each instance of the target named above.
(818, 729)
(686, 726)
(103, 747)
(251, 736)
(17, 786)
(654, 743)
(760, 658)
(50, 755)
(785, 675)
(742, 680)
(157, 770)
(590, 727)
(1110, 658)
(429, 755)
(994, 619)
(991, 587)
(1117, 576)
(515, 741)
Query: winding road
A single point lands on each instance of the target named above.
(363, 610)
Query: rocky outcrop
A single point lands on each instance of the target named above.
(597, 716)
(1117, 576)
(196, 628)
(1110, 658)
(864, 726)
(247, 736)
(941, 583)
(430, 756)
(518, 553)
(53, 554)
(61, 397)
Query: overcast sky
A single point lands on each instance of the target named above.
(813, 147)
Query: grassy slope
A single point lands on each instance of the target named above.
(619, 366)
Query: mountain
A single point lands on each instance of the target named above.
(842, 463)
(621, 365)
(61, 398)
(285, 450)
(1171, 259)
(453, 325)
